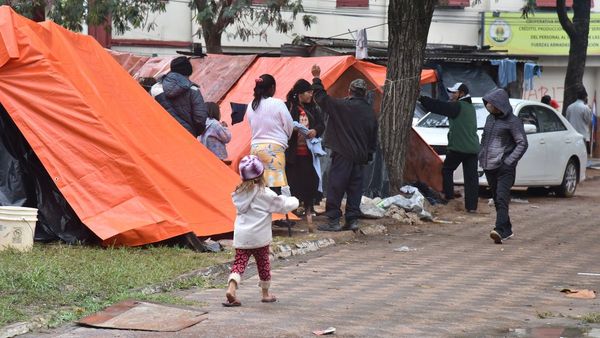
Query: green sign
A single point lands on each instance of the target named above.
(540, 34)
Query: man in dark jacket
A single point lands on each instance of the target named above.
(463, 142)
(182, 98)
(351, 135)
(502, 145)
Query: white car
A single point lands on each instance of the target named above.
(556, 156)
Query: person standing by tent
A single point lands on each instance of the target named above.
(216, 135)
(463, 142)
(579, 115)
(252, 233)
(181, 97)
(272, 126)
(503, 143)
(351, 134)
(303, 177)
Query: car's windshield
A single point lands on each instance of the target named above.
(439, 121)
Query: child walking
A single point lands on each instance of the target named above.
(252, 235)
(216, 135)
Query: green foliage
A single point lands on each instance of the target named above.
(69, 282)
(249, 20)
(72, 14)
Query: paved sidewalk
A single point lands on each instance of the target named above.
(456, 282)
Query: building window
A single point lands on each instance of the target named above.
(352, 3)
(455, 3)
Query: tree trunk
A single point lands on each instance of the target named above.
(38, 11)
(408, 26)
(578, 31)
(212, 38)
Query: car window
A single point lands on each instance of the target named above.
(439, 121)
(548, 120)
(529, 115)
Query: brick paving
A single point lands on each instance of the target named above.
(456, 282)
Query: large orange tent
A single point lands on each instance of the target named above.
(130, 172)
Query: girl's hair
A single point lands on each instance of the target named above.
(213, 111)
(249, 184)
(264, 88)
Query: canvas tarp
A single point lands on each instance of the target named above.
(214, 73)
(131, 173)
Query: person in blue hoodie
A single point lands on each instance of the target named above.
(181, 97)
(503, 143)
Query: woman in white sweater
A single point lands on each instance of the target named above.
(272, 127)
(252, 234)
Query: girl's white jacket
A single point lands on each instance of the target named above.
(254, 207)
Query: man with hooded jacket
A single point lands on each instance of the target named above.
(181, 97)
(503, 143)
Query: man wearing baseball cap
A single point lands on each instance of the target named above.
(351, 135)
(463, 142)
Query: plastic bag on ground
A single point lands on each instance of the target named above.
(415, 203)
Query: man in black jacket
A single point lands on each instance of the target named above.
(351, 135)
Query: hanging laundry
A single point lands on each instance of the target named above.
(507, 71)
(361, 44)
(529, 71)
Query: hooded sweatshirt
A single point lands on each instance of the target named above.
(504, 140)
(254, 207)
(215, 137)
(183, 100)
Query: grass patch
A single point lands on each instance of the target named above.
(80, 280)
(545, 314)
(592, 318)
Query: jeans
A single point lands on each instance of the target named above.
(345, 176)
(469, 162)
(500, 181)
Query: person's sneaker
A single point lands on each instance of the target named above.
(331, 225)
(351, 225)
(496, 237)
(472, 211)
(509, 236)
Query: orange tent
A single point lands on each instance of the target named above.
(131, 173)
(336, 73)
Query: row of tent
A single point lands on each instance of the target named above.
(84, 143)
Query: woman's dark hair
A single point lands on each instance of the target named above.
(264, 88)
(213, 111)
(300, 87)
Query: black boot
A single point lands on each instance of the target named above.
(331, 225)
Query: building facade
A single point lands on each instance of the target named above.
(458, 22)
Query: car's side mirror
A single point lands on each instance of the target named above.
(530, 128)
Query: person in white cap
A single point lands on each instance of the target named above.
(463, 142)
(252, 235)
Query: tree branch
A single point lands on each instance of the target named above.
(564, 20)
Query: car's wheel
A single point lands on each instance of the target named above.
(569, 183)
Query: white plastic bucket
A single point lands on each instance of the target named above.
(17, 227)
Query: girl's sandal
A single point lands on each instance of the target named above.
(271, 299)
(231, 301)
